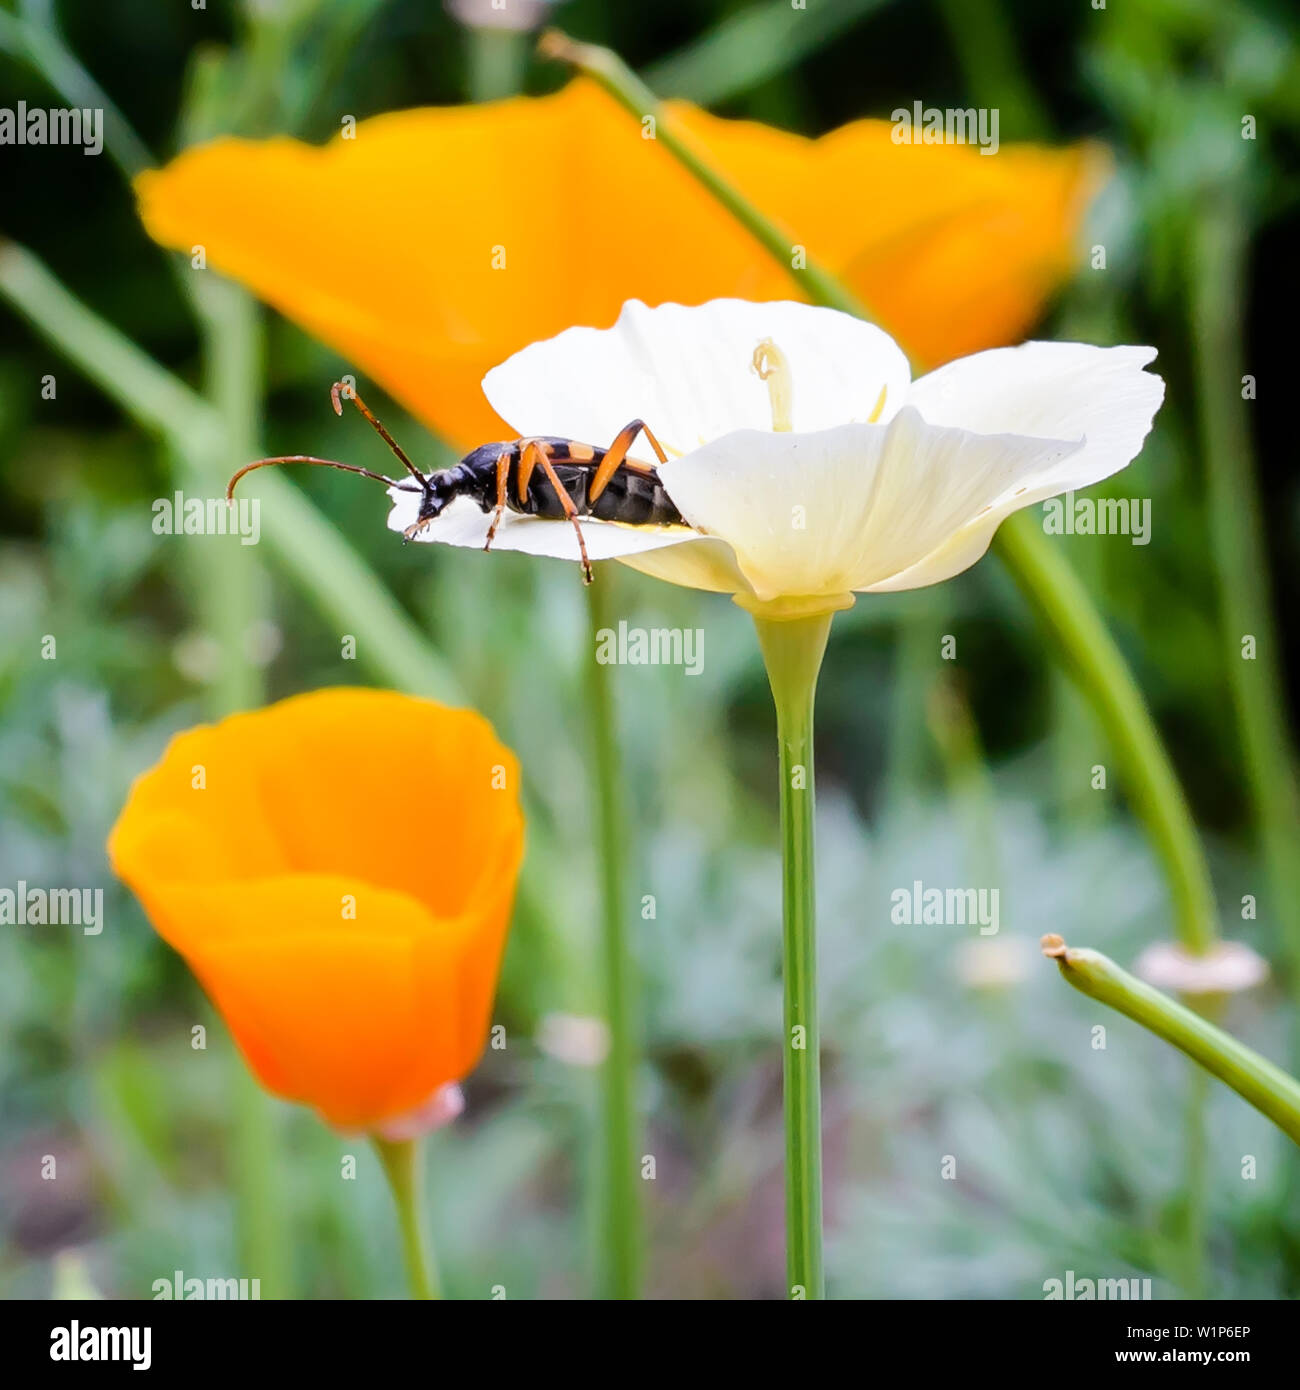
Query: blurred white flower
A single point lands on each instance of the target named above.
(483, 14)
(446, 1104)
(572, 1038)
(994, 962)
(808, 464)
(1226, 968)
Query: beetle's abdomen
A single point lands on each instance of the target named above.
(634, 497)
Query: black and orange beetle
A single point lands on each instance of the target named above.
(577, 480)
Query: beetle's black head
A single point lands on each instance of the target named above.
(437, 490)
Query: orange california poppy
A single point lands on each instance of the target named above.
(338, 870)
(436, 242)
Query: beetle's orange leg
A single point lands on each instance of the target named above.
(528, 450)
(503, 475)
(535, 452)
(617, 452)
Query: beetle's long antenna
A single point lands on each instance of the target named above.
(341, 388)
(309, 458)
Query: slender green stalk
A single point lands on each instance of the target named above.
(620, 1256)
(226, 602)
(1062, 602)
(329, 571)
(38, 42)
(792, 652)
(970, 784)
(496, 59)
(909, 745)
(254, 1155)
(401, 1160)
(1217, 292)
(1040, 571)
(44, 49)
(1267, 1087)
(753, 45)
(1196, 1207)
(615, 77)
(985, 44)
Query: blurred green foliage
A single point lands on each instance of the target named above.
(1067, 1157)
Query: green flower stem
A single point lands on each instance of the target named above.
(257, 1175)
(609, 71)
(1267, 1087)
(619, 1217)
(908, 742)
(1040, 571)
(792, 652)
(753, 45)
(1217, 292)
(1197, 1182)
(1052, 587)
(230, 598)
(495, 61)
(226, 602)
(401, 1160)
(43, 49)
(327, 568)
(984, 42)
(970, 784)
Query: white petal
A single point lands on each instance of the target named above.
(707, 564)
(1066, 390)
(687, 373)
(464, 524)
(1053, 391)
(846, 508)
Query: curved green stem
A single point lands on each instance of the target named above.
(1237, 536)
(43, 47)
(792, 652)
(226, 602)
(331, 573)
(495, 62)
(1054, 590)
(620, 1219)
(753, 45)
(1196, 1208)
(609, 71)
(401, 1160)
(984, 43)
(1266, 1086)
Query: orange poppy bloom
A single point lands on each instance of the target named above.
(437, 242)
(338, 870)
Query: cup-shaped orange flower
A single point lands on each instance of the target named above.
(434, 243)
(338, 870)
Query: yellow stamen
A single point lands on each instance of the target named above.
(879, 405)
(771, 365)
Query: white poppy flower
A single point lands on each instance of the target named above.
(808, 464)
